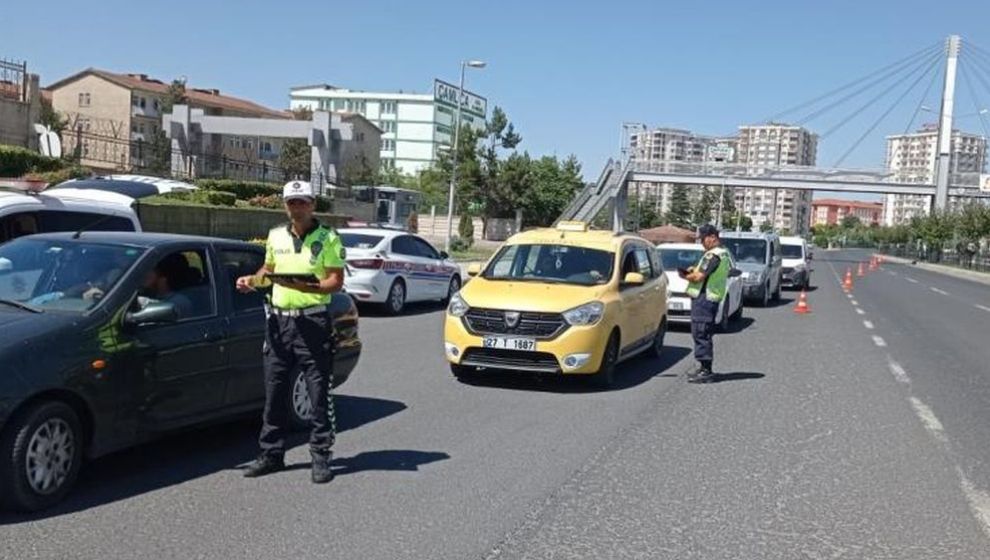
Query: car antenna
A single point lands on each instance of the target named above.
(92, 225)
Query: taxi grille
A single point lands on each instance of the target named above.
(510, 359)
(535, 325)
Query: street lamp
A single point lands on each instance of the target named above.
(457, 129)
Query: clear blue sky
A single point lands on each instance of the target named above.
(567, 73)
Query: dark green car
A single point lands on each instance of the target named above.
(108, 340)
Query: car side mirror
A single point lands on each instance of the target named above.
(444, 255)
(734, 273)
(633, 279)
(154, 312)
(474, 269)
(811, 256)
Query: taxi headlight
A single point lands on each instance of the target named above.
(458, 307)
(587, 314)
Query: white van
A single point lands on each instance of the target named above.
(797, 262)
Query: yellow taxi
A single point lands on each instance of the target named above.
(564, 300)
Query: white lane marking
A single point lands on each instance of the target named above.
(860, 311)
(868, 325)
(891, 272)
(938, 291)
(854, 302)
(850, 296)
(928, 418)
(983, 307)
(911, 280)
(979, 500)
(879, 341)
(898, 371)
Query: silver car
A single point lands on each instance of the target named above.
(758, 256)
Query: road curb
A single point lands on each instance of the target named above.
(981, 277)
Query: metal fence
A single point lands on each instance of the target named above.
(979, 261)
(13, 80)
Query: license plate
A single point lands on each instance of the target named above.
(509, 343)
(677, 306)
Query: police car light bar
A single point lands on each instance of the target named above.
(572, 226)
(24, 185)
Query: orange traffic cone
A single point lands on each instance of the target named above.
(861, 272)
(802, 304)
(847, 284)
(873, 263)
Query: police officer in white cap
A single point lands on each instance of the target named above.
(299, 329)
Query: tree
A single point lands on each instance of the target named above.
(51, 118)
(703, 209)
(850, 222)
(294, 160)
(933, 230)
(766, 227)
(174, 95)
(680, 207)
(730, 221)
(728, 202)
(642, 214)
(553, 184)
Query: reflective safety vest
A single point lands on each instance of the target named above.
(319, 250)
(715, 283)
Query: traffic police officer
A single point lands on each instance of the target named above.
(707, 288)
(299, 330)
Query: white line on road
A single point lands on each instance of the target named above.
(979, 501)
(879, 341)
(850, 296)
(860, 311)
(911, 280)
(891, 272)
(854, 302)
(983, 307)
(868, 325)
(898, 372)
(928, 418)
(938, 291)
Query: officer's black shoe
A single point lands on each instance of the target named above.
(265, 464)
(322, 473)
(704, 375)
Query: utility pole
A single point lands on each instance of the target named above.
(942, 171)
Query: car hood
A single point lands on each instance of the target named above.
(791, 263)
(19, 327)
(758, 268)
(675, 283)
(528, 296)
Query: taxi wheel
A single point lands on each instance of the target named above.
(605, 377)
(40, 455)
(658, 339)
(396, 301)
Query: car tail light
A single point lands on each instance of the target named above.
(367, 263)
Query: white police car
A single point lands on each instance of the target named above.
(686, 255)
(391, 267)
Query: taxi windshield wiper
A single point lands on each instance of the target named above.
(21, 305)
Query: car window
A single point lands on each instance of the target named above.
(237, 263)
(551, 263)
(18, 225)
(183, 279)
(629, 262)
(360, 240)
(404, 245)
(643, 262)
(424, 249)
(61, 220)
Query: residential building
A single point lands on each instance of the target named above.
(776, 144)
(668, 145)
(831, 211)
(912, 159)
(113, 119)
(20, 104)
(415, 127)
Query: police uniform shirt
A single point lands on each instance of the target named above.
(319, 250)
(709, 264)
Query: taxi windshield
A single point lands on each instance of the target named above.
(559, 264)
(61, 275)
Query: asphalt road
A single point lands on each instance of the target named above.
(818, 441)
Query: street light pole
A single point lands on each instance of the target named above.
(457, 133)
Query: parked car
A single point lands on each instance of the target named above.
(685, 255)
(392, 267)
(25, 211)
(565, 301)
(98, 355)
(796, 262)
(758, 256)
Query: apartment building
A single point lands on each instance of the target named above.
(831, 211)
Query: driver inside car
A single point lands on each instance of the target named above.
(163, 282)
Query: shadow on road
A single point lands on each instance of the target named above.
(738, 376)
(737, 326)
(385, 460)
(628, 374)
(190, 455)
(411, 309)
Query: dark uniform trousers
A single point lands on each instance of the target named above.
(702, 328)
(305, 343)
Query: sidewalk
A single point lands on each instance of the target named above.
(981, 277)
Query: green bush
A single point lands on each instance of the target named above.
(213, 198)
(459, 244)
(465, 228)
(243, 190)
(16, 161)
(73, 171)
(323, 203)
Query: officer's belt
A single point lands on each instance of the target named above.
(304, 312)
